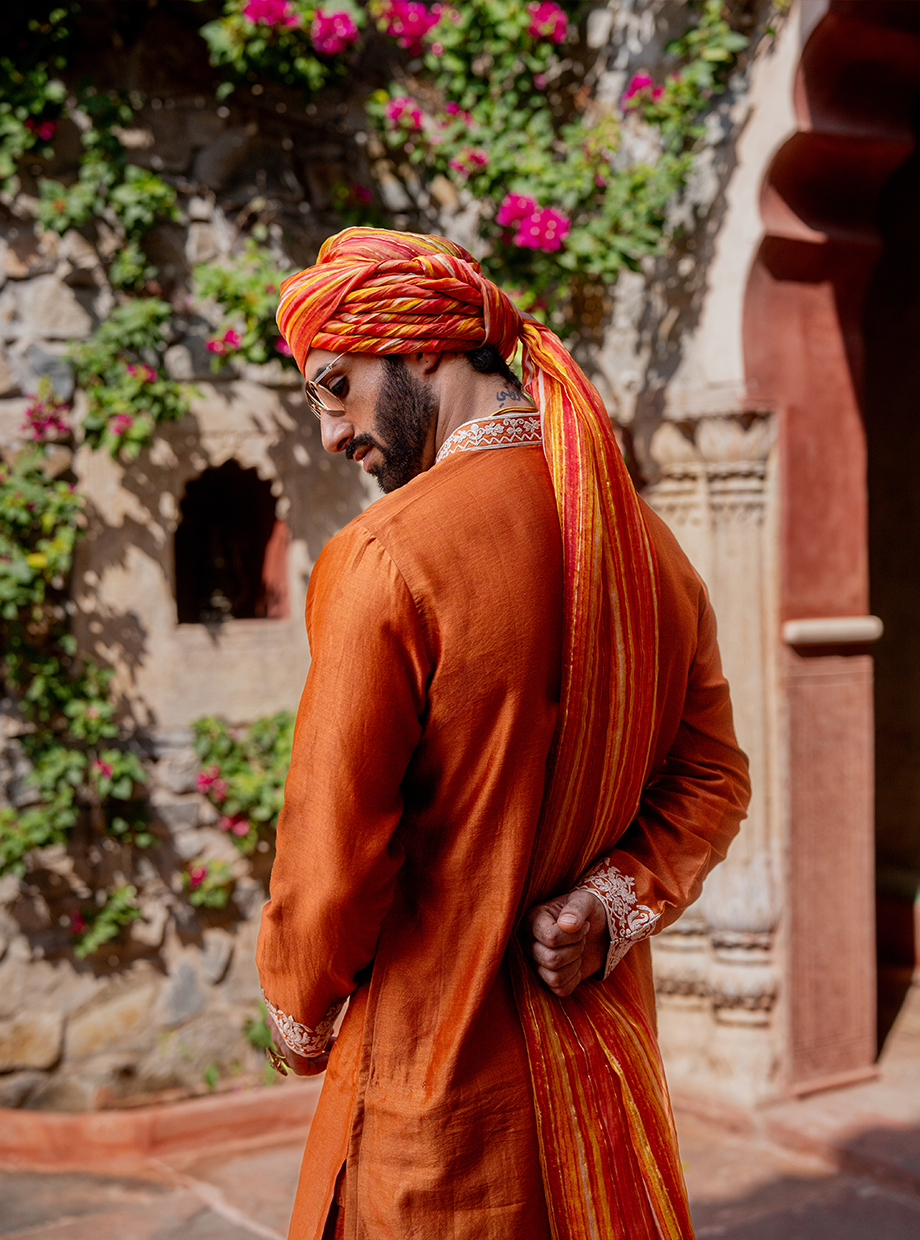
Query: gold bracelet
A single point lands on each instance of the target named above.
(276, 1060)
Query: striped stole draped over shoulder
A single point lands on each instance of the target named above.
(608, 1148)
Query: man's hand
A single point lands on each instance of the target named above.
(569, 940)
(300, 1065)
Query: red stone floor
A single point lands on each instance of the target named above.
(840, 1166)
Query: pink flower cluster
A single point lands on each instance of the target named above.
(408, 21)
(282, 347)
(237, 825)
(537, 228)
(196, 876)
(454, 110)
(404, 111)
(333, 33)
(104, 768)
(120, 423)
(271, 13)
(41, 129)
(547, 21)
(145, 373)
(46, 419)
(229, 340)
(470, 160)
(641, 89)
(210, 783)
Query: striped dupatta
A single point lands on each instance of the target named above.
(608, 1147)
(607, 1143)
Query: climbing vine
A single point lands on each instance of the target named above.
(501, 110)
(491, 112)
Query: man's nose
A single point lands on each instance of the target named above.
(337, 432)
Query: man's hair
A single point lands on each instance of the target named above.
(488, 361)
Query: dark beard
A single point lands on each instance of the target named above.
(404, 412)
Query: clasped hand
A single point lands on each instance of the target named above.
(567, 938)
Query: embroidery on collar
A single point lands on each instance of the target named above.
(508, 431)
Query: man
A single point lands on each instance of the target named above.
(514, 703)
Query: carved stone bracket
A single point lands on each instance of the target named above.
(711, 468)
(734, 973)
(712, 487)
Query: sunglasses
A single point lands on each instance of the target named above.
(319, 399)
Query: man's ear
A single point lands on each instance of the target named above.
(429, 362)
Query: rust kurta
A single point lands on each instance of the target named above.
(410, 811)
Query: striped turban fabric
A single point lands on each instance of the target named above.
(608, 1150)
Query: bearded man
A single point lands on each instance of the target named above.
(513, 761)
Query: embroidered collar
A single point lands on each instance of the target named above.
(507, 430)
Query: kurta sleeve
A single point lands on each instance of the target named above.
(689, 813)
(337, 854)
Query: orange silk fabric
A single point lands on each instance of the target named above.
(407, 833)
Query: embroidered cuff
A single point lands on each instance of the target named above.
(301, 1038)
(628, 921)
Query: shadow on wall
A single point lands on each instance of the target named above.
(675, 284)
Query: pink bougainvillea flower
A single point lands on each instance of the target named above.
(120, 423)
(271, 13)
(404, 111)
(41, 129)
(408, 22)
(46, 419)
(333, 33)
(547, 21)
(515, 207)
(104, 768)
(454, 110)
(77, 923)
(197, 876)
(641, 87)
(238, 824)
(229, 340)
(145, 373)
(469, 160)
(282, 347)
(362, 194)
(205, 779)
(544, 229)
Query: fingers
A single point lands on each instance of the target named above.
(576, 914)
(561, 981)
(569, 939)
(546, 929)
(557, 957)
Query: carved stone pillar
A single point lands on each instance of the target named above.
(716, 970)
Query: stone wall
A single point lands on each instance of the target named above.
(159, 1012)
(168, 1004)
(162, 1010)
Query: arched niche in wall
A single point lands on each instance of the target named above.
(230, 549)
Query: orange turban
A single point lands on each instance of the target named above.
(377, 291)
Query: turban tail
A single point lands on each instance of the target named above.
(608, 1148)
